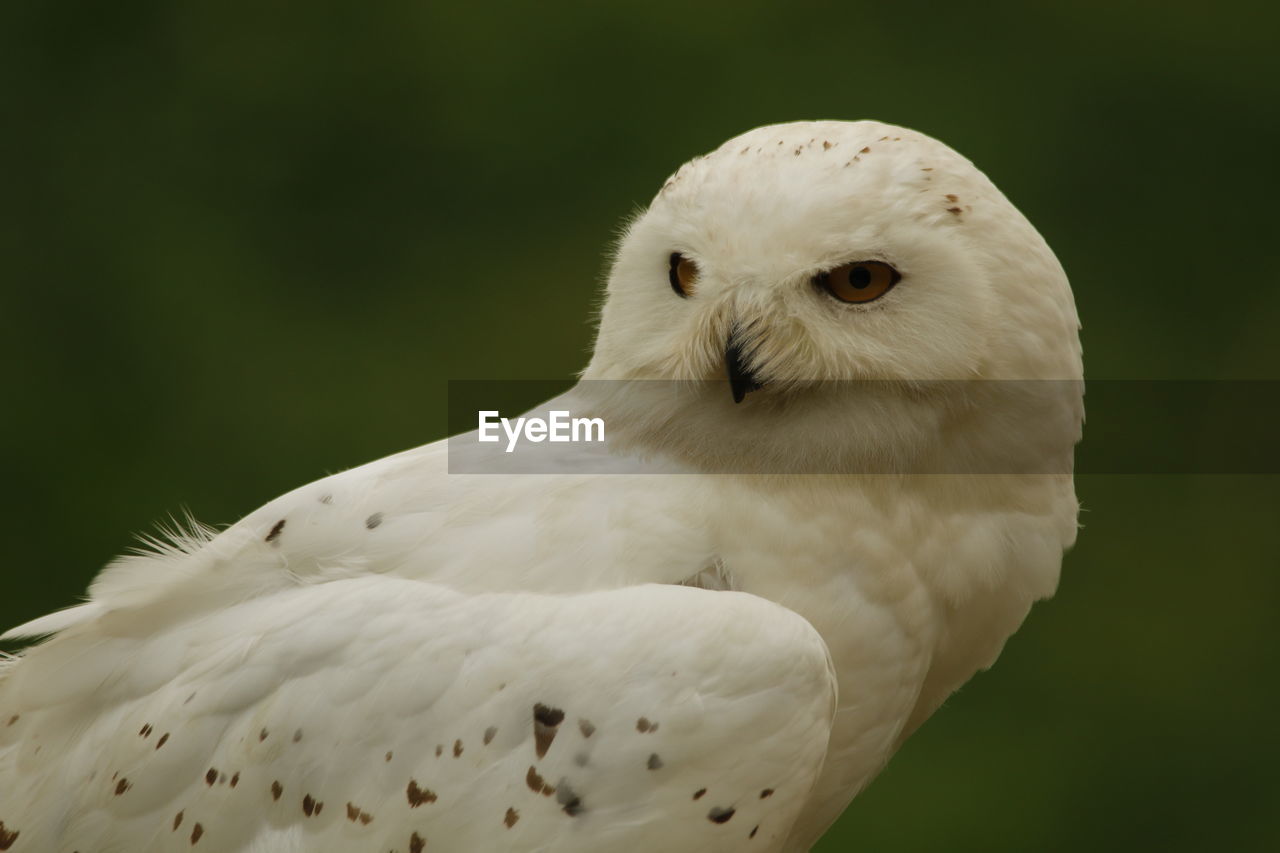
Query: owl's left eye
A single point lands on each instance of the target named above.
(861, 281)
(683, 274)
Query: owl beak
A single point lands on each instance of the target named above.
(742, 380)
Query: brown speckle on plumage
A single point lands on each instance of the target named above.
(309, 805)
(388, 756)
(489, 733)
(355, 813)
(122, 786)
(262, 735)
(511, 818)
(164, 738)
(719, 815)
(211, 776)
(276, 530)
(955, 211)
(177, 821)
(416, 843)
(698, 794)
(457, 748)
(13, 720)
(146, 730)
(439, 750)
(826, 145)
(196, 832)
(373, 521)
(235, 778)
(866, 149)
(571, 803)
(546, 721)
(754, 830)
(7, 836)
(536, 783)
(297, 735)
(654, 762)
(276, 790)
(766, 793)
(644, 726)
(418, 795)
(952, 198)
(586, 727)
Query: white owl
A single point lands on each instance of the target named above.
(716, 657)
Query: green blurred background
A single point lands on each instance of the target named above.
(246, 244)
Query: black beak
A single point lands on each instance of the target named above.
(742, 380)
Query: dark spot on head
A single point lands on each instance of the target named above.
(865, 150)
(276, 790)
(177, 822)
(196, 832)
(766, 793)
(511, 818)
(644, 726)
(262, 735)
(457, 748)
(235, 778)
(417, 796)
(536, 783)
(164, 738)
(326, 499)
(416, 843)
(373, 520)
(211, 776)
(545, 723)
(754, 830)
(586, 728)
(489, 733)
(566, 797)
(697, 795)
(7, 836)
(719, 815)
(825, 145)
(654, 763)
(297, 735)
(952, 198)
(122, 786)
(276, 530)
(953, 210)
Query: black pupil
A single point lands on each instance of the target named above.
(860, 277)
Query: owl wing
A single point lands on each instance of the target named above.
(382, 713)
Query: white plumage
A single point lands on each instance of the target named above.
(400, 658)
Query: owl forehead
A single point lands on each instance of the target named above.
(800, 189)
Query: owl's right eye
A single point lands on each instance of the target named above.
(683, 274)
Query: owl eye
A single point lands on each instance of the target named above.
(861, 281)
(683, 274)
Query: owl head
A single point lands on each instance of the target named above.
(844, 285)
